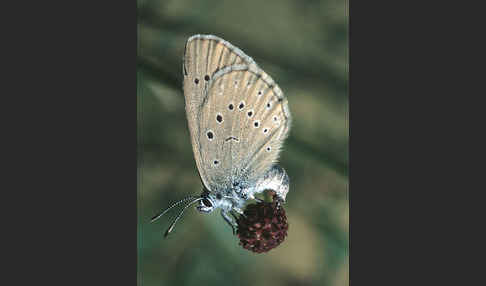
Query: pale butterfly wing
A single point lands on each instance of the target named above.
(254, 122)
(203, 56)
(238, 117)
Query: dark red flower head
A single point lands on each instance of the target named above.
(262, 227)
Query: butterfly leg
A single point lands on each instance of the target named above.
(238, 210)
(234, 216)
(231, 222)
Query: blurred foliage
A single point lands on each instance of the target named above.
(302, 44)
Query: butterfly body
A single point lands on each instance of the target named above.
(238, 119)
(234, 197)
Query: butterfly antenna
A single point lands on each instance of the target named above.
(170, 207)
(169, 230)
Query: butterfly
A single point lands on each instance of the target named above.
(238, 119)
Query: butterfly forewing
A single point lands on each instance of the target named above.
(203, 56)
(238, 117)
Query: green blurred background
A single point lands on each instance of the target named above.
(303, 45)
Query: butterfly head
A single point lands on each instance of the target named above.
(206, 204)
(211, 201)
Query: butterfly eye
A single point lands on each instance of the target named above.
(207, 203)
(219, 196)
